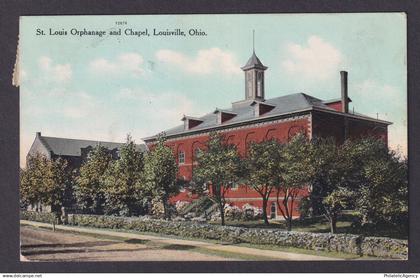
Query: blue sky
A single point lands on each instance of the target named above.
(102, 88)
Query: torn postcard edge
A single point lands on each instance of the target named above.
(16, 69)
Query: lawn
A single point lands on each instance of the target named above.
(321, 225)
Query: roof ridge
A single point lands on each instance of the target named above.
(46, 145)
(88, 140)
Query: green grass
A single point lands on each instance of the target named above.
(226, 254)
(321, 225)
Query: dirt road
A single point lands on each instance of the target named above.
(44, 245)
(71, 243)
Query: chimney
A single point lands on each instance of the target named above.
(344, 92)
(38, 134)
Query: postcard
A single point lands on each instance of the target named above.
(213, 137)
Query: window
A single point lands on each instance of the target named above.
(259, 84)
(249, 83)
(196, 152)
(235, 186)
(273, 210)
(181, 157)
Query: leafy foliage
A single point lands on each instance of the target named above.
(160, 173)
(46, 181)
(123, 185)
(383, 196)
(262, 170)
(295, 171)
(90, 190)
(362, 175)
(218, 168)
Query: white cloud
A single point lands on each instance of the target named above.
(391, 105)
(387, 99)
(318, 60)
(207, 61)
(125, 64)
(164, 110)
(54, 72)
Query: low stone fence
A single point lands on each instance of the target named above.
(346, 243)
(45, 217)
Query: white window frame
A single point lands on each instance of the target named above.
(181, 157)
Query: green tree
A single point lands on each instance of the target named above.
(361, 174)
(90, 191)
(218, 167)
(160, 172)
(294, 173)
(124, 189)
(382, 192)
(330, 192)
(32, 177)
(262, 170)
(47, 181)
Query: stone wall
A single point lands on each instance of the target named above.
(346, 243)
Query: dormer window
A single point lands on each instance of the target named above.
(261, 108)
(190, 122)
(223, 116)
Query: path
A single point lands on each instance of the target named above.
(179, 246)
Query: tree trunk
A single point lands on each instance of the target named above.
(264, 211)
(333, 224)
(222, 213)
(289, 223)
(165, 209)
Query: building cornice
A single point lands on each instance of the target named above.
(260, 121)
(263, 120)
(353, 116)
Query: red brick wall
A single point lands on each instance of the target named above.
(323, 125)
(331, 125)
(336, 106)
(241, 137)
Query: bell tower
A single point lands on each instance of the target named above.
(254, 78)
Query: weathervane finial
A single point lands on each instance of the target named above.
(253, 40)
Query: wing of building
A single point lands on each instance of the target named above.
(255, 118)
(73, 150)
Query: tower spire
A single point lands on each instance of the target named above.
(254, 76)
(253, 41)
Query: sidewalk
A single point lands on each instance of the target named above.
(279, 255)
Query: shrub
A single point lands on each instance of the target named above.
(45, 217)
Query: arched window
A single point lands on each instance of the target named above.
(181, 157)
(271, 134)
(249, 83)
(259, 84)
(295, 130)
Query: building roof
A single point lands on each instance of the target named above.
(245, 112)
(72, 147)
(254, 62)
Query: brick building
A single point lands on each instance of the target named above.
(256, 118)
(75, 151)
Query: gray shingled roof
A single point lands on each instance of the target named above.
(72, 147)
(283, 105)
(246, 112)
(254, 62)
